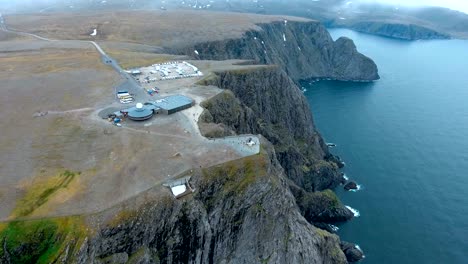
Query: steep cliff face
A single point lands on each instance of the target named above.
(303, 50)
(242, 212)
(264, 100)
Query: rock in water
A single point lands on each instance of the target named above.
(350, 186)
(352, 252)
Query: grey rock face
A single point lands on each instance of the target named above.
(353, 254)
(226, 221)
(303, 50)
(349, 64)
(266, 101)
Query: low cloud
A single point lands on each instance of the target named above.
(460, 5)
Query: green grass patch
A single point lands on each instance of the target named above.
(40, 192)
(232, 179)
(41, 241)
(332, 198)
(236, 176)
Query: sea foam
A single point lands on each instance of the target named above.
(358, 247)
(355, 212)
(359, 187)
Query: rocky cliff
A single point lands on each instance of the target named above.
(246, 211)
(266, 101)
(242, 212)
(304, 50)
(260, 209)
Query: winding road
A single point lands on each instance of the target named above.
(129, 84)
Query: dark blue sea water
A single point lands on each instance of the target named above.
(404, 138)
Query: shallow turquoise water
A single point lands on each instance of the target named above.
(404, 138)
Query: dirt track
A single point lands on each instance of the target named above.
(67, 81)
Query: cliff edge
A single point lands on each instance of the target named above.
(266, 101)
(242, 212)
(303, 49)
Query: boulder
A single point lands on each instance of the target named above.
(350, 186)
(351, 251)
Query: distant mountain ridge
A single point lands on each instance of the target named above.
(384, 20)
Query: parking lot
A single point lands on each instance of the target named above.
(165, 71)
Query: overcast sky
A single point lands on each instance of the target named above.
(461, 5)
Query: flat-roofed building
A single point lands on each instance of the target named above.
(174, 103)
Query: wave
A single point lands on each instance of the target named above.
(334, 227)
(355, 212)
(345, 177)
(358, 248)
(359, 187)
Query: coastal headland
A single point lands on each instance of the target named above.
(78, 188)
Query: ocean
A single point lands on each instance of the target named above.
(404, 139)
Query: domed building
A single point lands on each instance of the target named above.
(141, 112)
